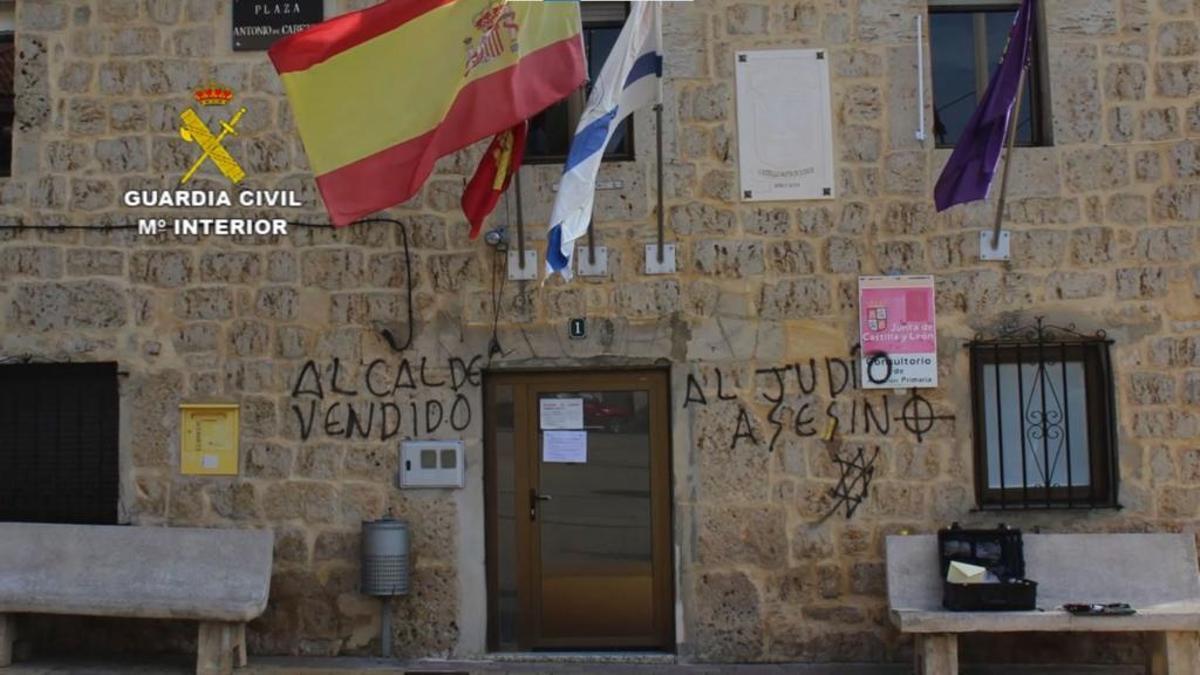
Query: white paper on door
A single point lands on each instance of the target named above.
(561, 413)
(564, 447)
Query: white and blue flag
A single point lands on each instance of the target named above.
(631, 79)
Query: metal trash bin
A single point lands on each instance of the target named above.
(385, 569)
(385, 557)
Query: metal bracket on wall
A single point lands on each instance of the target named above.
(518, 273)
(1002, 250)
(616, 184)
(656, 266)
(589, 267)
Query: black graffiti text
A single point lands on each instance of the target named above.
(388, 400)
(809, 396)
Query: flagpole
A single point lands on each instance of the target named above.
(1012, 141)
(658, 117)
(520, 223)
(658, 127)
(591, 241)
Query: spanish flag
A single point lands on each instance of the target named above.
(380, 94)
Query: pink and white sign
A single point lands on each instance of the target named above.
(898, 328)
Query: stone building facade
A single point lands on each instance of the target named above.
(1104, 236)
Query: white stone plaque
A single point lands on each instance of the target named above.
(785, 127)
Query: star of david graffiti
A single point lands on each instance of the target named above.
(856, 470)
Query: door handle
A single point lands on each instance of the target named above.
(534, 498)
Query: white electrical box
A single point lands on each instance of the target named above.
(432, 464)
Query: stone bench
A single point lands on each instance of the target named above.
(1155, 573)
(217, 577)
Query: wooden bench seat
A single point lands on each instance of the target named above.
(220, 578)
(1156, 573)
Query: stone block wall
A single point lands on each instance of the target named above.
(758, 325)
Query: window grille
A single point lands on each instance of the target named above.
(58, 443)
(1044, 419)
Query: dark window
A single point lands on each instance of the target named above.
(1044, 420)
(7, 70)
(551, 131)
(967, 41)
(58, 443)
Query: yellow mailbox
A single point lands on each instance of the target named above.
(209, 439)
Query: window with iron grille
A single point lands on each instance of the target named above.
(58, 443)
(551, 131)
(967, 39)
(1044, 419)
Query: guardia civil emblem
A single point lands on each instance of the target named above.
(194, 130)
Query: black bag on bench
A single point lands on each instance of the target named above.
(1002, 553)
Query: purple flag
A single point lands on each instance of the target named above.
(968, 175)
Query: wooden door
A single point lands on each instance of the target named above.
(579, 536)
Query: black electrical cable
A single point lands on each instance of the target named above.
(94, 228)
(499, 255)
(494, 347)
(387, 334)
(408, 280)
